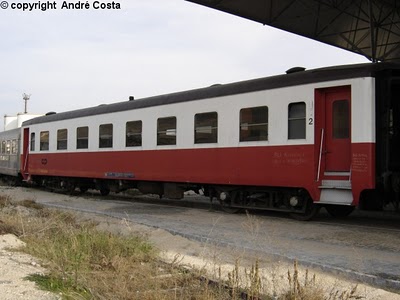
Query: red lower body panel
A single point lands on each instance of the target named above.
(255, 166)
(279, 166)
(362, 169)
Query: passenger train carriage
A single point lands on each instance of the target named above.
(10, 154)
(291, 142)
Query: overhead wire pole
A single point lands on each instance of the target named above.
(26, 98)
(372, 32)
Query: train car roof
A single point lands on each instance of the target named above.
(220, 90)
(10, 134)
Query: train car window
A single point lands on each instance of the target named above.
(133, 136)
(3, 147)
(62, 139)
(44, 140)
(14, 148)
(340, 119)
(206, 128)
(32, 141)
(82, 137)
(297, 121)
(254, 124)
(166, 131)
(106, 136)
(8, 147)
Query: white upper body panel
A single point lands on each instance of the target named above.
(228, 108)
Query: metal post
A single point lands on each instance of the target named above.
(372, 31)
(26, 98)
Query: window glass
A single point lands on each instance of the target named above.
(8, 147)
(206, 128)
(166, 131)
(133, 134)
(340, 119)
(82, 137)
(254, 124)
(297, 120)
(14, 147)
(32, 141)
(44, 140)
(106, 136)
(62, 139)
(3, 147)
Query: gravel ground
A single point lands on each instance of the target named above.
(14, 268)
(201, 253)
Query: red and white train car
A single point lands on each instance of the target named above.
(328, 136)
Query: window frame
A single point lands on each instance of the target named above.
(340, 118)
(8, 147)
(14, 147)
(133, 138)
(3, 147)
(44, 141)
(166, 136)
(212, 123)
(291, 119)
(106, 135)
(61, 141)
(80, 139)
(32, 142)
(253, 124)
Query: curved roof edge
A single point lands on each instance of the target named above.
(253, 85)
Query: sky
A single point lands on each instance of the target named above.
(69, 59)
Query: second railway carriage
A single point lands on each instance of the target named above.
(10, 155)
(328, 136)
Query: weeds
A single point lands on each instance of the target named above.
(5, 226)
(80, 255)
(4, 201)
(85, 263)
(304, 290)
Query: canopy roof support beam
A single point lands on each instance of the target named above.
(370, 28)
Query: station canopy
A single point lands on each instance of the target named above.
(367, 27)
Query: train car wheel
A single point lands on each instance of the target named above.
(229, 209)
(226, 204)
(104, 191)
(83, 189)
(339, 211)
(311, 211)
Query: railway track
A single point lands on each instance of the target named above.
(384, 221)
(354, 248)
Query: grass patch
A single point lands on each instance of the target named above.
(85, 263)
(58, 285)
(85, 259)
(28, 203)
(6, 228)
(4, 201)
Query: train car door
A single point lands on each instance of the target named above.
(25, 154)
(333, 107)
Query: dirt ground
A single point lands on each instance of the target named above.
(15, 266)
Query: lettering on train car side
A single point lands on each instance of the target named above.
(119, 175)
(289, 158)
